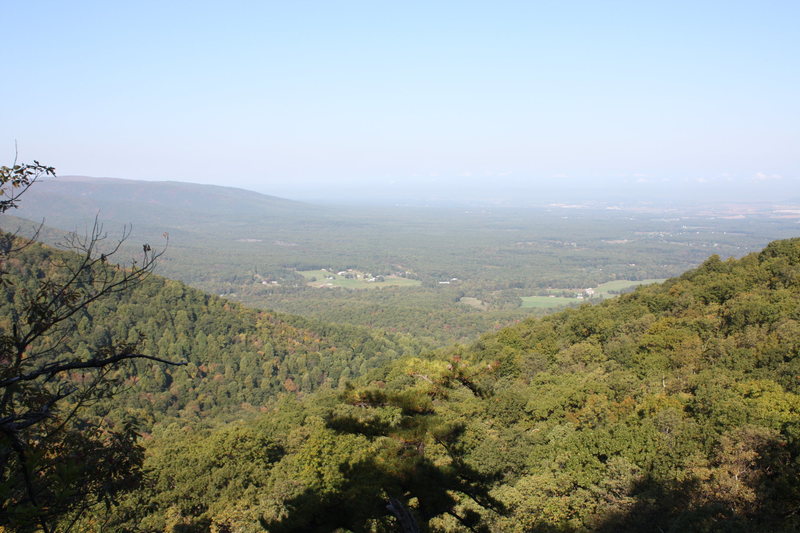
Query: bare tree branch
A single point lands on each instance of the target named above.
(43, 386)
(52, 369)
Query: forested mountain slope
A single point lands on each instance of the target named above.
(158, 205)
(674, 408)
(237, 357)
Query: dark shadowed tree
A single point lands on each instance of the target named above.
(57, 460)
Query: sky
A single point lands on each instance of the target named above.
(495, 101)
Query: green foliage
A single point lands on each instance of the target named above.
(16, 179)
(238, 358)
(674, 408)
(56, 460)
(67, 321)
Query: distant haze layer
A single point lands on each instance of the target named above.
(426, 102)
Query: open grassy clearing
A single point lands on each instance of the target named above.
(604, 289)
(359, 280)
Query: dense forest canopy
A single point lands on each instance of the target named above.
(675, 408)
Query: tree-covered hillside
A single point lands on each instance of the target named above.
(237, 357)
(674, 408)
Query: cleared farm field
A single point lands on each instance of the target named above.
(610, 289)
(356, 280)
(604, 289)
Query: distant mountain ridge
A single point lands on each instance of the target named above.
(147, 202)
(236, 193)
(200, 220)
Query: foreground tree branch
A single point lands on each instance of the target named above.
(44, 385)
(51, 369)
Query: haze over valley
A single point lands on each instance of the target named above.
(450, 273)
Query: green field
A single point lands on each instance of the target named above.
(604, 289)
(545, 302)
(323, 279)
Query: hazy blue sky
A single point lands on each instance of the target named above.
(469, 98)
